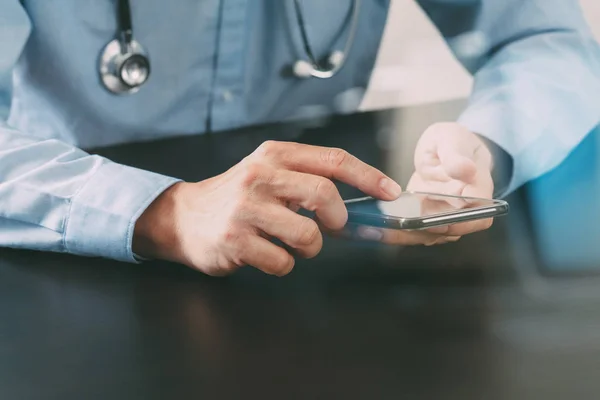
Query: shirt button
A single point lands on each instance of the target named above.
(227, 96)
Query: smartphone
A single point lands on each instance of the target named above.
(419, 210)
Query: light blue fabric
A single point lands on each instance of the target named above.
(224, 64)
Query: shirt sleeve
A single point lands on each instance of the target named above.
(537, 76)
(55, 197)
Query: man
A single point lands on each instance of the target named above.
(224, 64)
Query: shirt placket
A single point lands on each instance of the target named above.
(227, 107)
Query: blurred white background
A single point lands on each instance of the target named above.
(417, 73)
(414, 65)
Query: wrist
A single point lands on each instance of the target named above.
(155, 233)
(501, 166)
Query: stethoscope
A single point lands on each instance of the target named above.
(125, 63)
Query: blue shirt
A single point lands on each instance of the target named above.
(223, 64)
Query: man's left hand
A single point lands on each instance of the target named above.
(449, 159)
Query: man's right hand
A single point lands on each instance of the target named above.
(223, 223)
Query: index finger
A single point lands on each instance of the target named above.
(333, 163)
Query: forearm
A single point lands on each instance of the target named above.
(55, 197)
(537, 99)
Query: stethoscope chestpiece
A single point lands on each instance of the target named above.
(124, 67)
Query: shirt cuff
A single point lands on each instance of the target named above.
(103, 213)
(502, 166)
(487, 122)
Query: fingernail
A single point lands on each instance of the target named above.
(369, 233)
(391, 187)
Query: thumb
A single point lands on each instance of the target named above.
(456, 164)
(446, 152)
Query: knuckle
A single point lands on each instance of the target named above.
(336, 157)
(239, 250)
(230, 236)
(269, 149)
(255, 173)
(325, 190)
(308, 233)
(243, 209)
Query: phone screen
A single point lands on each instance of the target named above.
(414, 205)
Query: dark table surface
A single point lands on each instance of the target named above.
(472, 320)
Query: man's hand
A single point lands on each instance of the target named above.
(228, 221)
(449, 159)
